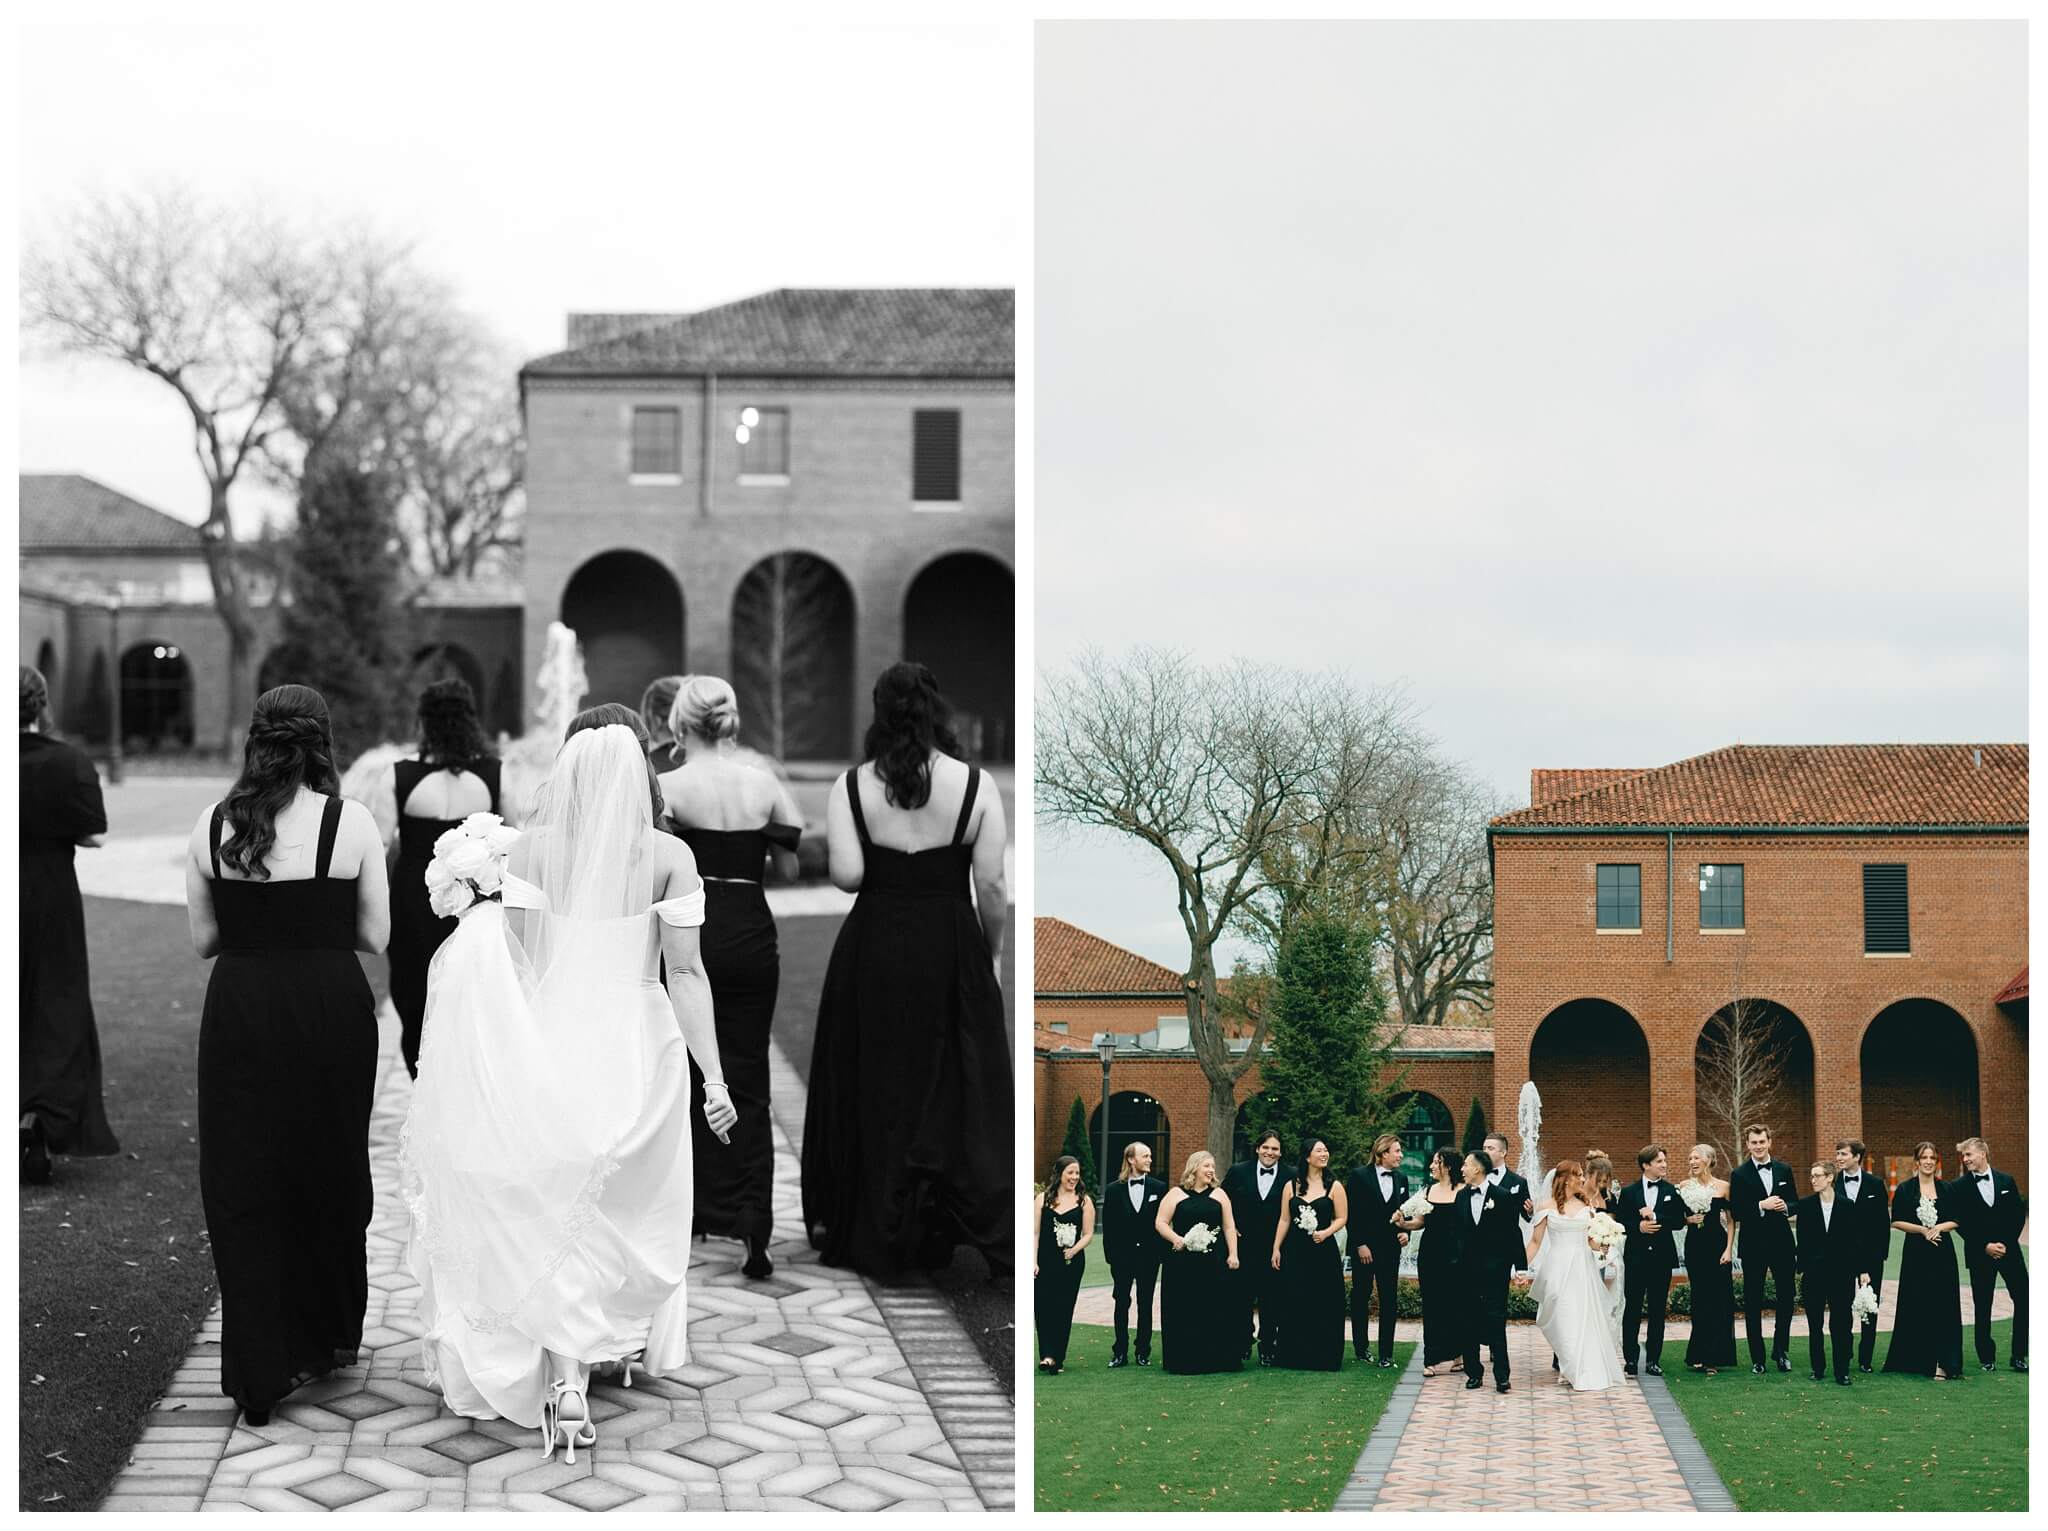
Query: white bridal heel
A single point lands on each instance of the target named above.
(565, 1422)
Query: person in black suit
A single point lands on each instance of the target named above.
(1760, 1198)
(1254, 1191)
(1834, 1250)
(1505, 1180)
(1373, 1193)
(1134, 1249)
(1992, 1215)
(1650, 1212)
(1871, 1203)
(1490, 1251)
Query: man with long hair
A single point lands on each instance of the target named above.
(1134, 1248)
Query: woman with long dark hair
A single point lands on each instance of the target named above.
(733, 815)
(1436, 1258)
(284, 882)
(454, 776)
(1064, 1217)
(1310, 1265)
(61, 809)
(907, 1130)
(1927, 1327)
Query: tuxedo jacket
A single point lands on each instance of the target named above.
(1760, 1234)
(1670, 1210)
(1368, 1214)
(1256, 1219)
(1873, 1218)
(1999, 1223)
(1131, 1238)
(1516, 1188)
(1833, 1252)
(1493, 1244)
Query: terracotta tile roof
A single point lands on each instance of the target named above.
(812, 332)
(1444, 1039)
(2013, 992)
(1804, 785)
(1046, 1041)
(1547, 786)
(69, 510)
(1069, 960)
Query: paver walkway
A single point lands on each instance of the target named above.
(810, 1390)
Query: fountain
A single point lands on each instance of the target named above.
(1529, 1128)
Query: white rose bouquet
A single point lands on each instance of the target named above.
(1305, 1217)
(1414, 1207)
(469, 864)
(1928, 1213)
(1606, 1236)
(1697, 1197)
(1064, 1234)
(1864, 1306)
(1199, 1239)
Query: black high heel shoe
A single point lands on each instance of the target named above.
(758, 1265)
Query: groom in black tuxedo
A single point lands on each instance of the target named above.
(1834, 1260)
(1254, 1190)
(1870, 1208)
(1490, 1250)
(1990, 1216)
(1371, 1195)
(1760, 1198)
(1505, 1180)
(1649, 1211)
(1130, 1208)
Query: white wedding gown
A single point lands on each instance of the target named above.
(1573, 1305)
(546, 1159)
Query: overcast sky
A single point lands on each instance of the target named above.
(1626, 390)
(634, 165)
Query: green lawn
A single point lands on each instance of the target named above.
(1886, 1443)
(1140, 1439)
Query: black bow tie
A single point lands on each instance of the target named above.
(1980, 1179)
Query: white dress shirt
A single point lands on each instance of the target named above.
(1987, 1190)
(1137, 1195)
(1266, 1179)
(1478, 1205)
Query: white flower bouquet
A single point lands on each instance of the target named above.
(1305, 1217)
(1864, 1306)
(1697, 1197)
(1064, 1234)
(469, 864)
(1199, 1239)
(1928, 1213)
(1414, 1207)
(1605, 1233)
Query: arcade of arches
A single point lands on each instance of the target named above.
(1591, 1065)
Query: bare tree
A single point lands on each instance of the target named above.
(1214, 769)
(1741, 1072)
(1437, 892)
(789, 622)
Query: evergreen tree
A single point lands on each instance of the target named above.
(345, 618)
(1328, 1066)
(1475, 1129)
(1077, 1144)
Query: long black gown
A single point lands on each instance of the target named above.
(287, 1070)
(1927, 1321)
(416, 931)
(1201, 1315)
(1312, 1293)
(1058, 1283)
(60, 1045)
(735, 1181)
(1713, 1291)
(1436, 1271)
(907, 1130)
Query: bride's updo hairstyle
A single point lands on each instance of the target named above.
(290, 745)
(1568, 1175)
(706, 707)
(911, 720)
(604, 715)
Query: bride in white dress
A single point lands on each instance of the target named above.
(1571, 1298)
(546, 1159)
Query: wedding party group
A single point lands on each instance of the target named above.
(1250, 1265)
(584, 1000)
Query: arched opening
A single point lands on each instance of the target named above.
(1919, 1065)
(1425, 1126)
(627, 613)
(960, 618)
(286, 665)
(156, 698)
(792, 664)
(1591, 1064)
(450, 661)
(1753, 1062)
(1135, 1118)
(46, 662)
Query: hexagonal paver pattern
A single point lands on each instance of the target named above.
(743, 1426)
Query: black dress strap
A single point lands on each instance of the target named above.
(405, 775)
(487, 769)
(967, 803)
(213, 841)
(330, 820)
(860, 823)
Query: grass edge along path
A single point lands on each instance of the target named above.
(1883, 1443)
(1142, 1439)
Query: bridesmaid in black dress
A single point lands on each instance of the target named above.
(1709, 1247)
(453, 777)
(285, 883)
(1443, 1315)
(732, 814)
(907, 1129)
(61, 809)
(1927, 1324)
(1201, 1317)
(1311, 1266)
(1058, 1266)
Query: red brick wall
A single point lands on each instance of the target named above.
(1802, 948)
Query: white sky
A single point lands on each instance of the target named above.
(622, 162)
(1627, 390)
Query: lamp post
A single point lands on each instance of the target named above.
(1105, 1049)
(114, 642)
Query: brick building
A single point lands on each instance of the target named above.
(1867, 902)
(1085, 987)
(794, 491)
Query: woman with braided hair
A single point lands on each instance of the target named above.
(285, 883)
(61, 810)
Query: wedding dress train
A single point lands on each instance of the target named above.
(1574, 1306)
